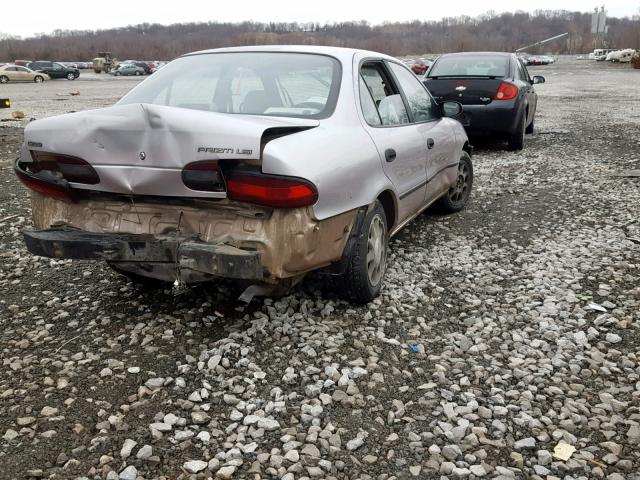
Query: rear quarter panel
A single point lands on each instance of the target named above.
(338, 156)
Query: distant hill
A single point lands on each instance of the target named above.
(491, 31)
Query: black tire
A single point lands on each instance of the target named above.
(516, 140)
(530, 127)
(38, 79)
(71, 76)
(358, 282)
(457, 197)
(4, 79)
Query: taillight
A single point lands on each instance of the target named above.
(203, 176)
(270, 190)
(46, 182)
(506, 91)
(72, 169)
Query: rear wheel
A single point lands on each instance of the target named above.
(367, 261)
(530, 126)
(458, 195)
(516, 140)
(38, 79)
(4, 79)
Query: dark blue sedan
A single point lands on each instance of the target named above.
(495, 90)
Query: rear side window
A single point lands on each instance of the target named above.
(419, 100)
(386, 97)
(524, 74)
(470, 66)
(369, 109)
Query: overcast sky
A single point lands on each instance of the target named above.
(27, 17)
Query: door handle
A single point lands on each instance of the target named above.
(430, 143)
(389, 154)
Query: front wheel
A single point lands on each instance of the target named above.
(367, 260)
(4, 79)
(458, 195)
(38, 79)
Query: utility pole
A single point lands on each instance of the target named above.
(599, 27)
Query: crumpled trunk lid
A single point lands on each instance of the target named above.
(141, 149)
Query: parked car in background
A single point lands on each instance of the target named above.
(17, 73)
(540, 60)
(127, 69)
(495, 90)
(55, 69)
(621, 56)
(147, 67)
(254, 163)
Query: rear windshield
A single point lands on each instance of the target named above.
(471, 66)
(250, 83)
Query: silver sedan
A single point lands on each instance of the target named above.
(252, 163)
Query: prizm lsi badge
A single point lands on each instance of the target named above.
(237, 151)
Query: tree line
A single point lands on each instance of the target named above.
(490, 31)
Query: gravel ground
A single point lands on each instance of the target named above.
(501, 332)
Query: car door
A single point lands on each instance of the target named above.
(24, 74)
(439, 139)
(530, 92)
(400, 143)
(57, 70)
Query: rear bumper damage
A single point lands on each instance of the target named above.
(187, 258)
(189, 242)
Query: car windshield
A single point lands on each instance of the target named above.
(250, 83)
(470, 66)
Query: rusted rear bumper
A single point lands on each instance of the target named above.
(156, 237)
(187, 256)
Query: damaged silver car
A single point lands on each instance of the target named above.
(253, 163)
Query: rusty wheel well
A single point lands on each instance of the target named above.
(389, 204)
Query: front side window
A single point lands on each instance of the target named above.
(250, 83)
(419, 100)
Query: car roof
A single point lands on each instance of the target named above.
(341, 53)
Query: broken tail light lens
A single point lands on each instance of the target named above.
(506, 91)
(204, 176)
(44, 182)
(72, 169)
(270, 190)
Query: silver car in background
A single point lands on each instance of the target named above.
(252, 163)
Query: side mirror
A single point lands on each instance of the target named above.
(451, 109)
(538, 79)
